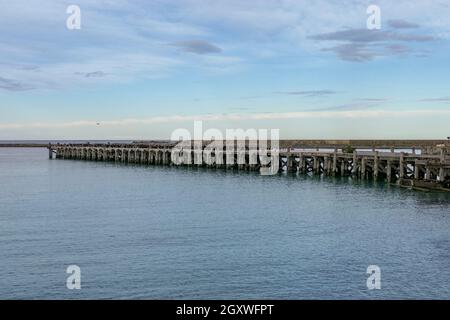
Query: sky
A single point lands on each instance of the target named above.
(141, 69)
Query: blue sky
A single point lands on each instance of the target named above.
(144, 68)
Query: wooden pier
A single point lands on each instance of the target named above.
(425, 164)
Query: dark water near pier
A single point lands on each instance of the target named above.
(158, 232)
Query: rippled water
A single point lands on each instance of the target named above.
(164, 232)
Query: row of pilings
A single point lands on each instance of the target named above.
(376, 165)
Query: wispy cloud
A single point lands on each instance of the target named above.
(372, 99)
(402, 24)
(249, 97)
(94, 74)
(13, 85)
(367, 36)
(361, 45)
(398, 49)
(151, 26)
(441, 99)
(197, 46)
(117, 67)
(355, 52)
(308, 93)
(357, 105)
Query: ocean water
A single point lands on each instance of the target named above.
(142, 232)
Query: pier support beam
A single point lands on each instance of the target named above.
(316, 165)
(334, 168)
(301, 163)
(291, 168)
(401, 167)
(375, 165)
(441, 167)
(363, 168)
(416, 171)
(326, 165)
(388, 171)
(427, 173)
(166, 158)
(355, 163)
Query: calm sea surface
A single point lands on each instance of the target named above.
(167, 233)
